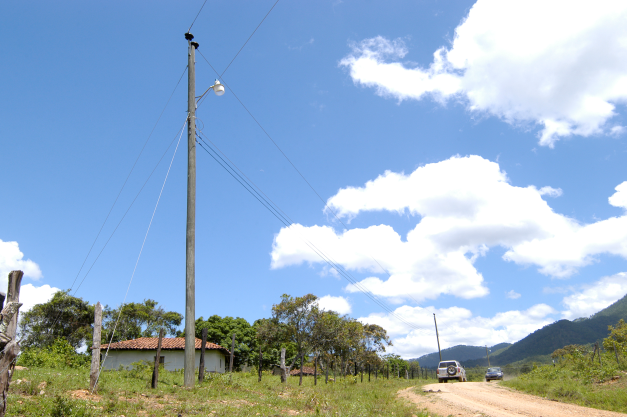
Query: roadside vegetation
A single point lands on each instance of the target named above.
(583, 375)
(63, 392)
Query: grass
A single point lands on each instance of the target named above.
(609, 395)
(54, 392)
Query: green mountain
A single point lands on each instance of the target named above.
(460, 353)
(557, 335)
(539, 344)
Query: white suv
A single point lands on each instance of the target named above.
(451, 370)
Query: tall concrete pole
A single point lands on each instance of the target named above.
(190, 243)
(437, 335)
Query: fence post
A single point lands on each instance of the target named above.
(326, 372)
(368, 372)
(316, 370)
(232, 351)
(155, 372)
(95, 348)
(9, 346)
(260, 362)
(201, 365)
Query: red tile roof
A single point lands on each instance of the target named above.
(307, 370)
(167, 343)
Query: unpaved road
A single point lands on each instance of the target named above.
(475, 399)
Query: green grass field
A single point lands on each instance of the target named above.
(609, 395)
(54, 392)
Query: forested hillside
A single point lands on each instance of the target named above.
(460, 353)
(559, 334)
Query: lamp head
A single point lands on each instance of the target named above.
(218, 88)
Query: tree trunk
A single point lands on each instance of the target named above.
(283, 370)
(95, 348)
(9, 346)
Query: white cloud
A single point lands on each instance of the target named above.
(31, 295)
(513, 295)
(559, 64)
(337, 304)
(595, 297)
(457, 326)
(465, 206)
(619, 198)
(11, 259)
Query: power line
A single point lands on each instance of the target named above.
(197, 14)
(251, 35)
(291, 163)
(137, 262)
(127, 177)
(283, 218)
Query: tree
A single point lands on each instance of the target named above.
(139, 320)
(298, 316)
(617, 338)
(64, 316)
(220, 331)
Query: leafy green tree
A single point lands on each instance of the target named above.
(64, 316)
(220, 331)
(57, 355)
(617, 338)
(138, 320)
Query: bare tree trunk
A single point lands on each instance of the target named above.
(8, 344)
(95, 348)
(283, 370)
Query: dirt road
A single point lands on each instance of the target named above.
(478, 399)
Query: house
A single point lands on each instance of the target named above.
(172, 353)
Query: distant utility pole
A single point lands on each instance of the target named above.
(487, 354)
(437, 335)
(190, 242)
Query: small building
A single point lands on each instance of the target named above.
(172, 355)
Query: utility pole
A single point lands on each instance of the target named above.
(438, 336)
(190, 242)
(487, 354)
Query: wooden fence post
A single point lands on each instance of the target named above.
(316, 370)
(326, 373)
(260, 362)
(201, 365)
(155, 372)
(95, 348)
(8, 345)
(232, 351)
(302, 362)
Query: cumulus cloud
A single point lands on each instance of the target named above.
(337, 304)
(31, 295)
(11, 259)
(457, 326)
(619, 198)
(513, 295)
(559, 64)
(464, 206)
(595, 297)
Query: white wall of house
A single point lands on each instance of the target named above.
(215, 360)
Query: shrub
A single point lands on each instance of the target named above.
(59, 355)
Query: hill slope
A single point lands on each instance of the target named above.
(559, 334)
(461, 353)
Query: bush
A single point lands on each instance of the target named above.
(59, 355)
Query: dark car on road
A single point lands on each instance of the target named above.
(493, 373)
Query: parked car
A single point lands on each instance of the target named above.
(451, 370)
(493, 373)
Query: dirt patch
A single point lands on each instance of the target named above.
(83, 394)
(472, 399)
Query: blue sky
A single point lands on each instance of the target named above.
(475, 150)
